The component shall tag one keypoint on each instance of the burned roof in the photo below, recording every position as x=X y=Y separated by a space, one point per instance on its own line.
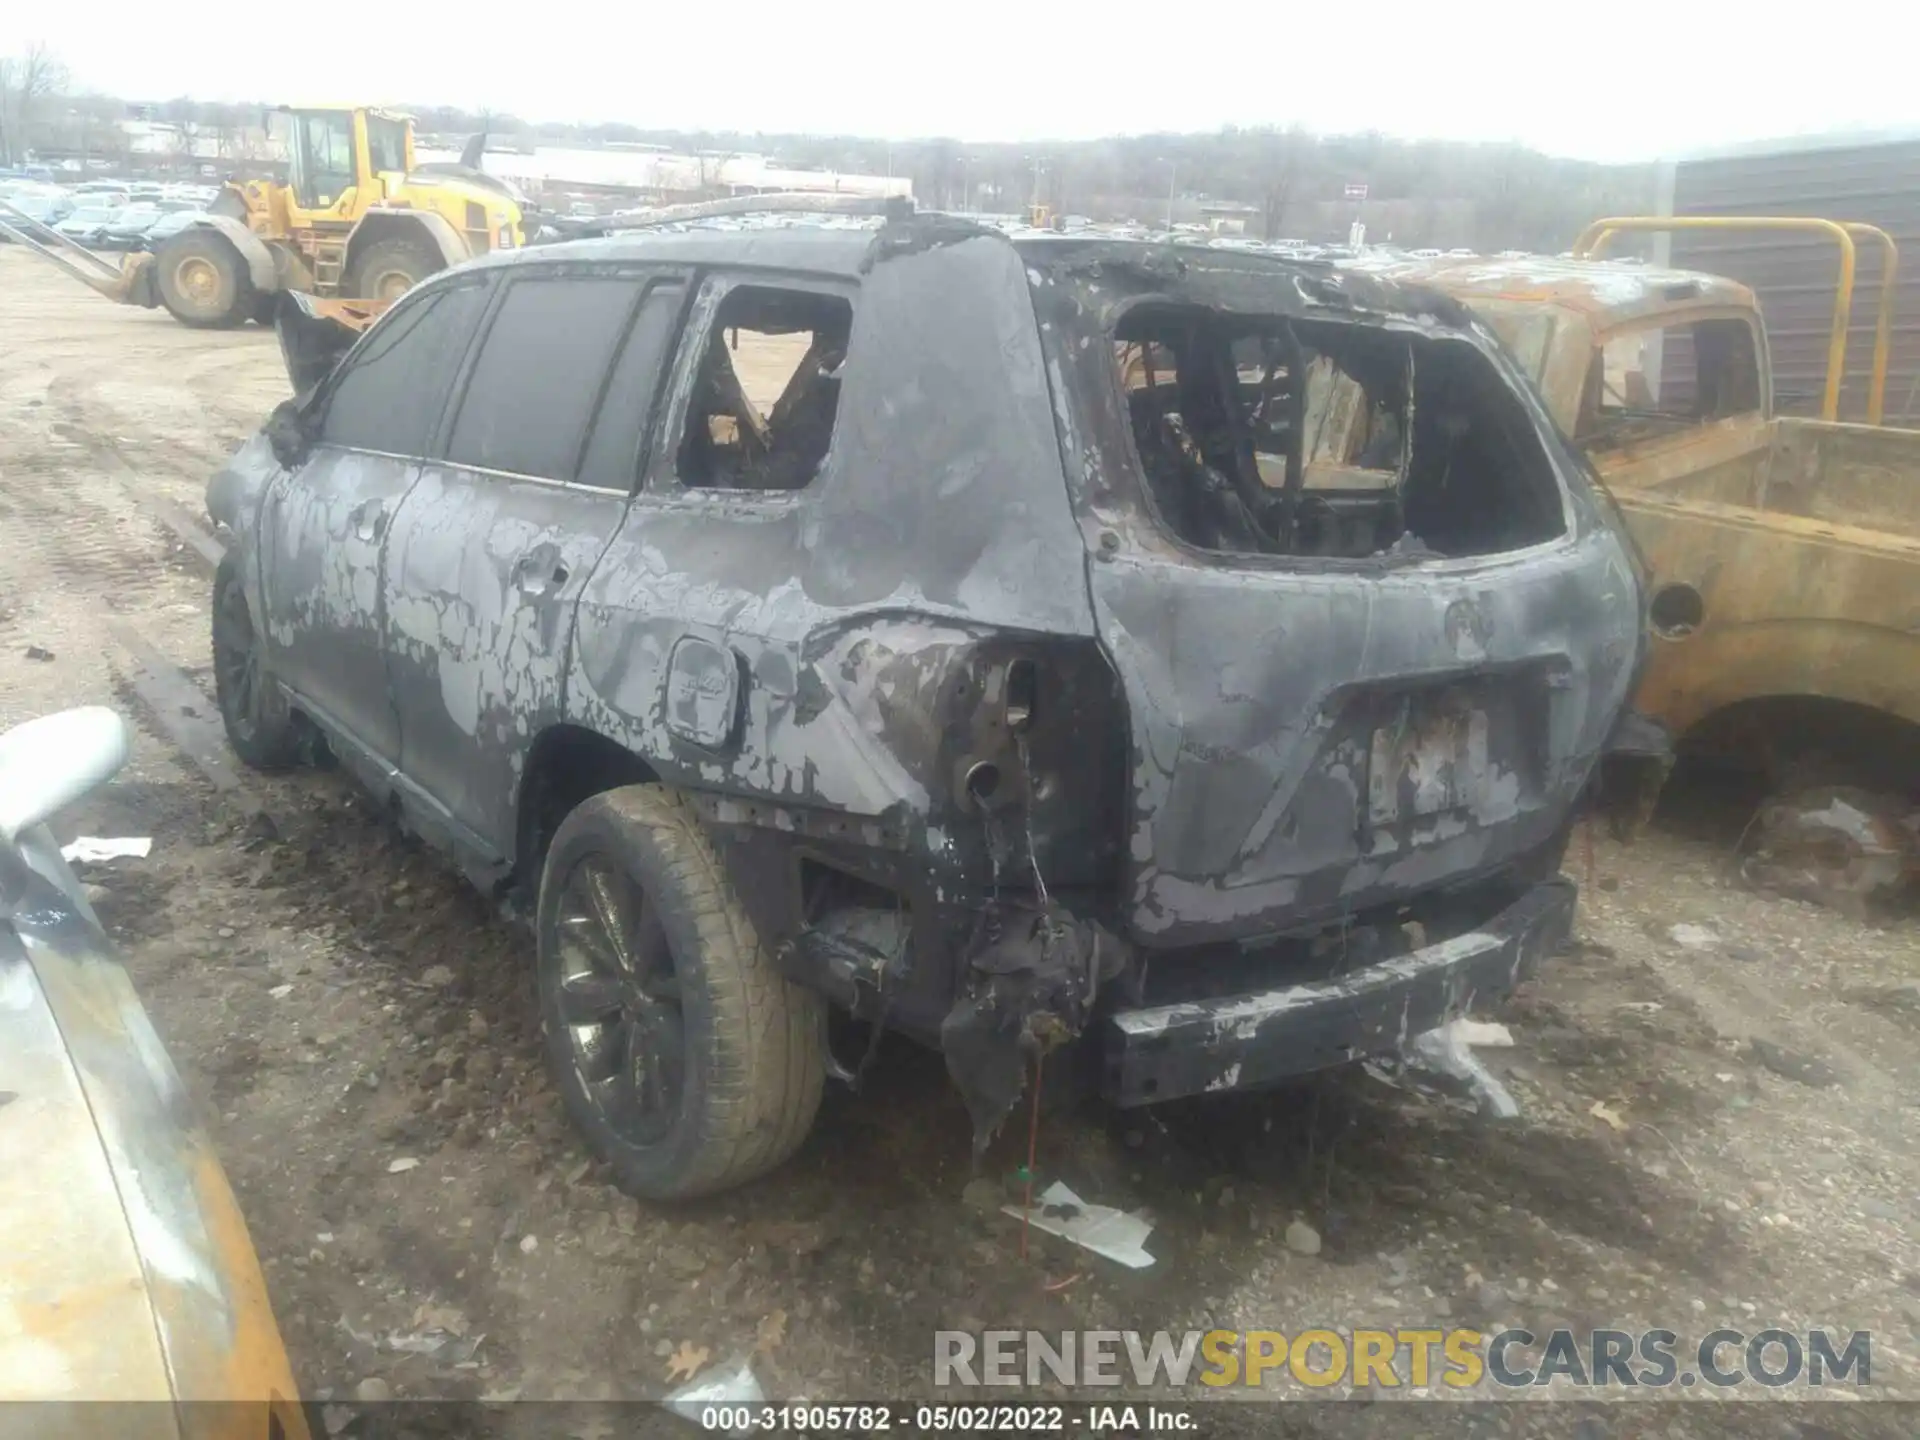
x=832 y=249
x=835 y=245
x=1603 y=292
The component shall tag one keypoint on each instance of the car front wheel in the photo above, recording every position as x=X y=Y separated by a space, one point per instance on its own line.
x=691 y=1064
x=262 y=731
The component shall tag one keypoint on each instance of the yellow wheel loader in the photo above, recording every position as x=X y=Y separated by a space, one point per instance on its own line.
x=355 y=220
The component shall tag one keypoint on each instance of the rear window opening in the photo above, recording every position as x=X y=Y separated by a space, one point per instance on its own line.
x=1657 y=380
x=1273 y=436
x=764 y=403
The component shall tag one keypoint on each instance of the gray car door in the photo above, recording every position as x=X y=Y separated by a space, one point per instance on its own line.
x=489 y=552
x=324 y=524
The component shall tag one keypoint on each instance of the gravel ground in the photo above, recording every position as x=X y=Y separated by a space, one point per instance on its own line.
x=1712 y=1132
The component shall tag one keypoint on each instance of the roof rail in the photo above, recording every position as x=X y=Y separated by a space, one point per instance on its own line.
x=890 y=207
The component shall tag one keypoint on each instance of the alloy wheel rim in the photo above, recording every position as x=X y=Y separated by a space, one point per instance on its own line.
x=620 y=1001
x=235 y=659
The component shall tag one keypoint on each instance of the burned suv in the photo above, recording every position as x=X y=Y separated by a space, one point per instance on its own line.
x=1181 y=664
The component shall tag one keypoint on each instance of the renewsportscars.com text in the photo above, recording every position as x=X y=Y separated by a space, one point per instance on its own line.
x=1458 y=1358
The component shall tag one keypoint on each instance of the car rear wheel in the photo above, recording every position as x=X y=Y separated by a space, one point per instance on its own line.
x=262 y=731
x=203 y=281
x=691 y=1064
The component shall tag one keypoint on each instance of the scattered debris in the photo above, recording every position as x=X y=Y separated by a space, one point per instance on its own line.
x=1302 y=1238
x=441 y=1345
x=402 y=1165
x=1834 y=845
x=733 y=1384
x=1693 y=937
x=93 y=850
x=35 y=652
x=1484 y=1034
x=1443 y=1052
x=1116 y=1234
x=1600 y=1110
x=1791 y=1065
x=685 y=1362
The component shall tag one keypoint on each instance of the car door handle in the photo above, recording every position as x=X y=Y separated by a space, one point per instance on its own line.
x=369 y=519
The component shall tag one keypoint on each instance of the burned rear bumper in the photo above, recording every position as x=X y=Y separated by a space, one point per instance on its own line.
x=1164 y=1052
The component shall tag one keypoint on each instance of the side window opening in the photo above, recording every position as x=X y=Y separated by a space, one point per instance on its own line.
x=386 y=143
x=326 y=145
x=768 y=389
x=1656 y=380
x=1264 y=435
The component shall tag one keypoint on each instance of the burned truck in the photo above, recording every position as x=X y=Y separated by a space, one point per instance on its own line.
x=974 y=635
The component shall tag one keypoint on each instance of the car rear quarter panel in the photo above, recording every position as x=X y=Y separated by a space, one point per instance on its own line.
x=939 y=519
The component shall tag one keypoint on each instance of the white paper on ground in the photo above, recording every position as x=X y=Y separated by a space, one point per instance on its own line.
x=1488 y=1034
x=92 y=849
x=1116 y=1234
x=733 y=1383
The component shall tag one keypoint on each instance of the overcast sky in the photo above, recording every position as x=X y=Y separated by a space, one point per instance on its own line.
x=1618 y=81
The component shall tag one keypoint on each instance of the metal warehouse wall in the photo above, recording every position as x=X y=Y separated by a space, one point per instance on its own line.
x=1873 y=179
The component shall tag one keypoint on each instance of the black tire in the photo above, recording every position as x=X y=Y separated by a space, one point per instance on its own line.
x=262 y=731
x=388 y=268
x=733 y=1091
x=203 y=281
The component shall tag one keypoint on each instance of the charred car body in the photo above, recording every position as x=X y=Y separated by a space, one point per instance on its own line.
x=978 y=635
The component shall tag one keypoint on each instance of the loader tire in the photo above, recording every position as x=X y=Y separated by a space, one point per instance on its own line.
x=688 y=1060
x=388 y=268
x=203 y=281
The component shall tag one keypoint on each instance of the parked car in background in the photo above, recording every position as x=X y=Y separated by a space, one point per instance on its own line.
x=130 y=226
x=89 y=221
x=126 y=1271
x=170 y=224
x=957 y=630
x=1783 y=552
x=49 y=207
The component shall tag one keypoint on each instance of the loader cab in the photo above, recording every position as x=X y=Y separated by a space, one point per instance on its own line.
x=342 y=161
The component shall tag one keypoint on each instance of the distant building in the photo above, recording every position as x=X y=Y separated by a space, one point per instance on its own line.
x=148 y=140
x=1229 y=217
x=645 y=171
x=1871 y=177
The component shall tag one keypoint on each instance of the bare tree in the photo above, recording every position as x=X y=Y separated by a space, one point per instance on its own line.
x=25 y=80
x=1281 y=156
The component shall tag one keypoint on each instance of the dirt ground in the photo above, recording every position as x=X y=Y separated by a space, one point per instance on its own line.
x=340 y=1003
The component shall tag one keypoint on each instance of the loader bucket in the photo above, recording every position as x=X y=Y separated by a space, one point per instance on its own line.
x=314 y=334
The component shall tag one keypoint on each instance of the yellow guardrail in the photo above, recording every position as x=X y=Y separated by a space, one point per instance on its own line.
x=1594 y=238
